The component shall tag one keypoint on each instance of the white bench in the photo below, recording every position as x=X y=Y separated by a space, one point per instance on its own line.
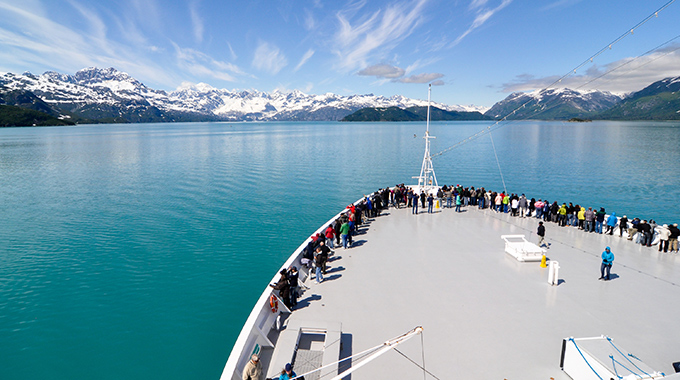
x=521 y=249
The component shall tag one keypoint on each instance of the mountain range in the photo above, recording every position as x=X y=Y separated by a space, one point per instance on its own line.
x=108 y=95
x=95 y=95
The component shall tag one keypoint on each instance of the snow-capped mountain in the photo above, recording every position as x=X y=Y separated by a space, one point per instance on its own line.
x=108 y=93
x=558 y=104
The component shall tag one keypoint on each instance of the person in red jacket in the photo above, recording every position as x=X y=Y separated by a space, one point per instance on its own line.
x=330 y=236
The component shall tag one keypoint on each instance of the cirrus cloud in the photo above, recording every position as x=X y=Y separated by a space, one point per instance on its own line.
x=269 y=58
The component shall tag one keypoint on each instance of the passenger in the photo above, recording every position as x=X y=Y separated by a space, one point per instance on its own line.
x=599 y=220
x=581 y=215
x=523 y=206
x=611 y=223
x=541 y=235
x=330 y=236
x=645 y=231
x=607 y=260
x=546 y=211
x=320 y=260
x=506 y=203
x=590 y=219
x=539 y=208
x=336 y=226
x=623 y=225
x=430 y=203
x=414 y=201
x=293 y=276
x=562 y=215
x=633 y=228
x=554 y=212
x=498 y=201
x=673 y=237
x=652 y=231
x=344 y=232
x=664 y=235
x=283 y=286
x=423 y=197
x=287 y=373
x=459 y=201
x=514 y=206
x=253 y=369
x=571 y=217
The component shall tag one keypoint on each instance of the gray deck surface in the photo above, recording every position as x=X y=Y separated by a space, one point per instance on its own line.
x=486 y=315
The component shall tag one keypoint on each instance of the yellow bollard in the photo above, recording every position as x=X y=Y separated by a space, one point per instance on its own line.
x=543 y=262
x=437 y=204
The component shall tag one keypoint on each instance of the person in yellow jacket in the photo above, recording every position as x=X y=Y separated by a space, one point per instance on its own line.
x=581 y=217
x=506 y=203
x=562 y=215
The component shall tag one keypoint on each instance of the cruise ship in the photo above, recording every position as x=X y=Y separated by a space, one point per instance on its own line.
x=470 y=295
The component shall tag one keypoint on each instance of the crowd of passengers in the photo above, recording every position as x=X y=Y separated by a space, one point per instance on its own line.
x=586 y=219
x=339 y=233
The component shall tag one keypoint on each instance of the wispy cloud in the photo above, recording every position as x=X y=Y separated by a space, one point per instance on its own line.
x=382 y=70
x=560 y=4
x=621 y=76
x=389 y=73
x=196 y=22
x=420 y=78
x=373 y=34
x=232 y=54
x=202 y=65
x=309 y=21
x=269 y=58
x=483 y=15
x=304 y=59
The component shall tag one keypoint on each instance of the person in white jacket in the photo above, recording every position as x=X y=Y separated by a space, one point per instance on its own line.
x=664 y=234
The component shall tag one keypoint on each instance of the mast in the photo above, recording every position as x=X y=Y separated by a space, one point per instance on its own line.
x=427 y=179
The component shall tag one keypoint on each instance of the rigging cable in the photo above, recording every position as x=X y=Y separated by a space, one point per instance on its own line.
x=422 y=350
x=571 y=72
x=636 y=58
x=416 y=364
x=498 y=163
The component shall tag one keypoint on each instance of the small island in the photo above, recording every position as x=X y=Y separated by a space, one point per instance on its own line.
x=411 y=114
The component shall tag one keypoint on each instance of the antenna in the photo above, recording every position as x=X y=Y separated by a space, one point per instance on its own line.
x=427 y=179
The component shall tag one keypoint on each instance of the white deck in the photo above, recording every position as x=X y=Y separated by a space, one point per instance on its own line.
x=486 y=315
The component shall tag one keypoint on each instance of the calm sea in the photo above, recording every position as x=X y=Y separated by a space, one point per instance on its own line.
x=137 y=251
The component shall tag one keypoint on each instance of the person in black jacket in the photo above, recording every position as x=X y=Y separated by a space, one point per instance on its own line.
x=541 y=235
x=283 y=286
x=623 y=225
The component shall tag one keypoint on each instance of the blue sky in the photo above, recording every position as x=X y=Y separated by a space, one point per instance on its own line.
x=476 y=51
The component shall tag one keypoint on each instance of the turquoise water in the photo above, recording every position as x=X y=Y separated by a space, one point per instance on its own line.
x=137 y=251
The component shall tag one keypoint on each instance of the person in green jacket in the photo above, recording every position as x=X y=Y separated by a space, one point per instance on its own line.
x=344 y=231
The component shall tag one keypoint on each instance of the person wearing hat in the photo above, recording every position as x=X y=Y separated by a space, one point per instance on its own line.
x=287 y=373
x=664 y=235
x=283 y=286
x=607 y=260
x=253 y=369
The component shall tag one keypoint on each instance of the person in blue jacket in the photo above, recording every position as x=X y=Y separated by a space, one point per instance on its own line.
x=287 y=373
x=611 y=223
x=607 y=260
